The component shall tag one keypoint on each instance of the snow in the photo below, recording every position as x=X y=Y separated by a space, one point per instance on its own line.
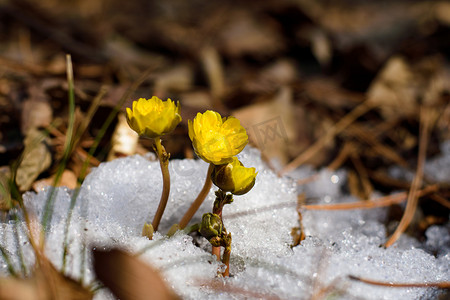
x=119 y=196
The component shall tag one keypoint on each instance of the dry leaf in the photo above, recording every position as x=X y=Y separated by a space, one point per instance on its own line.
x=124 y=140
x=68 y=179
x=36 y=111
x=270 y=125
x=36 y=159
x=442 y=11
x=394 y=89
x=46 y=283
x=129 y=278
x=400 y=86
x=5 y=195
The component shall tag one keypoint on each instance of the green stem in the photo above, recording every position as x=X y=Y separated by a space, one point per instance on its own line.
x=199 y=200
x=164 y=163
x=192 y=228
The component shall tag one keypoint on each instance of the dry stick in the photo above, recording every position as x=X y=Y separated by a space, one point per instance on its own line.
x=371 y=140
x=347 y=149
x=164 y=163
x=362 y=172
x=301 y=236
x=199 y=200
x=441 y=285
x=441 y=200
x=380 y=202
x=319 y=144
x=413 y=196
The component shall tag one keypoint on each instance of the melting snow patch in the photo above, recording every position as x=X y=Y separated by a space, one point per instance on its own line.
x=119 y=196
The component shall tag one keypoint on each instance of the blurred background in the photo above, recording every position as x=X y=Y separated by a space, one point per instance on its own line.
x=290 y=70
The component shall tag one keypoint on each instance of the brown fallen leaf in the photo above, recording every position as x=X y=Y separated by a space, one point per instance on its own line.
x=68 y=179
x=400 y=84
x=5 y=194
x=36 y=159
x=128 y=277
x=442 y=12
x=394 y=89
x=46 y=283
x=270 y=125
x=36 y=111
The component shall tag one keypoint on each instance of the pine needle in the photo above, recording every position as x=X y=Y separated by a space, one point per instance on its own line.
x=336 y=129
x=426 y=118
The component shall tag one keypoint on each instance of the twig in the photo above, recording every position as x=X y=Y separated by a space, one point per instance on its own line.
x=337 y=128
x=346 y=151
x=380 y=202
x=441 y=200
x=371 y=140
x=298 y=239
x=441 y=285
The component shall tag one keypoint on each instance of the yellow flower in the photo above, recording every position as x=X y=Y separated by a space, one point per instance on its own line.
x=153 y=117
x=234 y=177
x=215 y=139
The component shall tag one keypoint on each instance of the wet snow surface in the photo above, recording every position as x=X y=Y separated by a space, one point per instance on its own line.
x=119 y=196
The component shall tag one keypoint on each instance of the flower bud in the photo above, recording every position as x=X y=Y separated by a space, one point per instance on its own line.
x=211 y=226
x=147 y=231
x=234 y=177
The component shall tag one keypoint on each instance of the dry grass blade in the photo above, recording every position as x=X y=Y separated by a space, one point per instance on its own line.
x=441 y=285
x=129 y=278
x=426 y=118
x=338 y=127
